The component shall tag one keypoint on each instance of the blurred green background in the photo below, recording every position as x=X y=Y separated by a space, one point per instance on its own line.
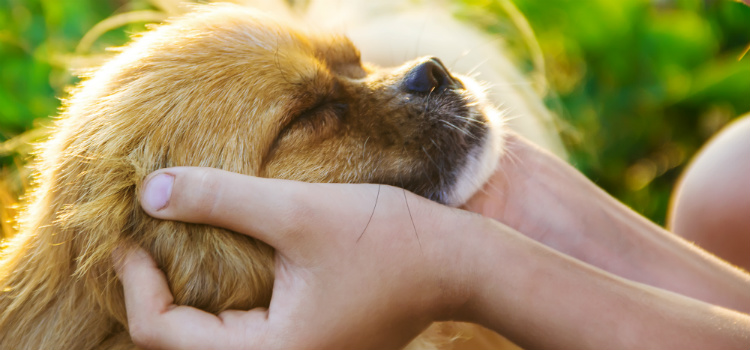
x=640 y=85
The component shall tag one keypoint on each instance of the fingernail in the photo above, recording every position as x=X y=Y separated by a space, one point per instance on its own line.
x=157 y=192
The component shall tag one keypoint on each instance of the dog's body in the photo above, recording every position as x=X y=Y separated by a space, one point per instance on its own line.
x=230 y=88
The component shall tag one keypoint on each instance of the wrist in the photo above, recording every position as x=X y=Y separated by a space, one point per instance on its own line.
x=454 y=262
x=470 y=270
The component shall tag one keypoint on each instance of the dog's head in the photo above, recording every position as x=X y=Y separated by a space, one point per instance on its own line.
x=230 y=88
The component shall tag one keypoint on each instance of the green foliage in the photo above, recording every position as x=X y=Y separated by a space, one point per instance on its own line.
x=640 y=84
x=35 y=37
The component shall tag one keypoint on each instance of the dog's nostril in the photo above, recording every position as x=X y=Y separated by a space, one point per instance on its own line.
x=430 y=75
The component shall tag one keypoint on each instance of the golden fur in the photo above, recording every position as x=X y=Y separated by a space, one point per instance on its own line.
x=230 y=88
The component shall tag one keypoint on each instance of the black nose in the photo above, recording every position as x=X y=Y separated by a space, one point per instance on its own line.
x=430 y=75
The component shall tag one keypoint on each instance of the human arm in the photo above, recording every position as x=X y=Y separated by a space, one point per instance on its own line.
x=552 y=301
x=551 y=202
x=334 y=289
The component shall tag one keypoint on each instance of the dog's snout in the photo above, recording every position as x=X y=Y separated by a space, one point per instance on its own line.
x=430 y=75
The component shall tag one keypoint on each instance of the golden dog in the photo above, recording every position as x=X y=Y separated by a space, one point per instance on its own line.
x=230 y=88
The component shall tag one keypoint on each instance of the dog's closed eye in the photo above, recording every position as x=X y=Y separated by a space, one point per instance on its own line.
x=321 y=118
x=321 y=115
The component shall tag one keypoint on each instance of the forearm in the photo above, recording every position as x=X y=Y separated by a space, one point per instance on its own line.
x=621 y=241
x=556 y=205
x=542 y=299
x=644 y=252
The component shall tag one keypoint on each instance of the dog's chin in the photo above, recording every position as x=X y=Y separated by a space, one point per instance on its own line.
x=482 y=161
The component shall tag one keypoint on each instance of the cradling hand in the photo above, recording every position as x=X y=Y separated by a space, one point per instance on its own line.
x=357 y=266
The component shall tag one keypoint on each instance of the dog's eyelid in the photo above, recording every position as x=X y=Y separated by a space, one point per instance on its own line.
x=310 y=115
x=325 y=101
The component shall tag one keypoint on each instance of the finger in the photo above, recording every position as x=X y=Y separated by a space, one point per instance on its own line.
x=144 y=284
x=155 y=322
x=262 y=208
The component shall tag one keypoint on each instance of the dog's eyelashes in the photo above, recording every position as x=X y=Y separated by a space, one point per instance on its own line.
x=309 y=113
x=320 y=116
x=322 y=110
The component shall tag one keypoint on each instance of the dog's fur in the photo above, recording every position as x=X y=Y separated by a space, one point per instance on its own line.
x=230 y=88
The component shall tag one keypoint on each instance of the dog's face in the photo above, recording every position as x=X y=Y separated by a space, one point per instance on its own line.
x=233 y=89
x=416 y=126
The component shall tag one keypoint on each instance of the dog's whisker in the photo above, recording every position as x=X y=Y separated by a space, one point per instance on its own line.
x=364 y=149
x=514 y=158
x=459 y=57
x=437 y=167
x=510 y=118
x=475 y=69
x=452 y=126
x=470 y=119
x=429 y=157
x=437 y=147
x=461 y=130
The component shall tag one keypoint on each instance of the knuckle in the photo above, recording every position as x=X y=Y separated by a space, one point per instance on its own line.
x=297 y=212
x=204 y=189
x=297 y=206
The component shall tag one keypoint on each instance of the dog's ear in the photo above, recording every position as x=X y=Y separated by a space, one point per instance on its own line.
x=210 y=268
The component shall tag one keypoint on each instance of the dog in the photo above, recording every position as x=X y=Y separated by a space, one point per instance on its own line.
x=228 y=87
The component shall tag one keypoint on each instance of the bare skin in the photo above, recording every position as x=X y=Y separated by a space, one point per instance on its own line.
x=711 y=205
x=335 y=290
x=554 y=204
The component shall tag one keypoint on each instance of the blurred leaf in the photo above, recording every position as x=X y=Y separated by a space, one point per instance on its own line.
x=642 y=81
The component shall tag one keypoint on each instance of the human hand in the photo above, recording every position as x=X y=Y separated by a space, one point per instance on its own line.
x=551 y=202
x=541 y=196
x=360 y=269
